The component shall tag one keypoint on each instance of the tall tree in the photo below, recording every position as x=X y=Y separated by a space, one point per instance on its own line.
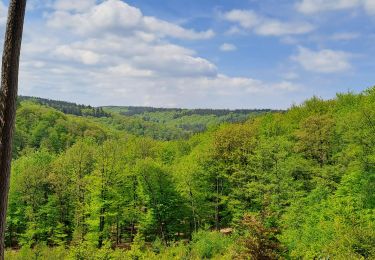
x=8 y=96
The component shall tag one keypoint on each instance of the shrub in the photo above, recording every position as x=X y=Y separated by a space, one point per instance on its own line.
x=208 y=244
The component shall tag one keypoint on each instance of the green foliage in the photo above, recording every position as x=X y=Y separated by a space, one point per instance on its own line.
x=183 y=122
x=207 y=245
x=294 y=185
x=257 y=240
x=68 y=107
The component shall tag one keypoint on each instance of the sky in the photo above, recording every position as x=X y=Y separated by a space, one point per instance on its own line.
x=196 y=53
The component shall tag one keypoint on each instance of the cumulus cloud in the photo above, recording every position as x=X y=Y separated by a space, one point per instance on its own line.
x=164 y=28
x=109 y=52
x=316 y=6
x=323 y=61
x=245 y=18
x=105 y=17
x=86 y=57
x=249 y=20
x=115 y=16
x=228 y=47
x=74 y=5
x=125 y=70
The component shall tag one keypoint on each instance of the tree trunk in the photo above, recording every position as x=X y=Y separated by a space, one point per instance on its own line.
x=102 y=208
x=217 y=205
x=101 y=227
x=8 y=97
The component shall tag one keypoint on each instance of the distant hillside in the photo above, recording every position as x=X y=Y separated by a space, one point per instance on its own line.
x=190 y=120
x=132 y=110
x=158 y=123
x=68 y=107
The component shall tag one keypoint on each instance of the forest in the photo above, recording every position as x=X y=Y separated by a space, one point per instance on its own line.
x=67 y=107
x=161 y=184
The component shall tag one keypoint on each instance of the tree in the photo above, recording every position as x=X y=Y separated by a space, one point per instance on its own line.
x=8 y=97
x=30 y=187
x=258 y=241
x=316 y=137
x=162 y=200
x=105 y=185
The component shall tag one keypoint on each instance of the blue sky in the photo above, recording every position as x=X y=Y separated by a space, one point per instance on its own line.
x=189 y=53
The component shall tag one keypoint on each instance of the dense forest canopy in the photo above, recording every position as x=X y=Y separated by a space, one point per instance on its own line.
x=296 y=184
x=67 y=107
x=158 y=123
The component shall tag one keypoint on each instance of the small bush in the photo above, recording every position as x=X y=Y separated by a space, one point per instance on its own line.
x=208 y=244
x=40 y=251
x=259 y=241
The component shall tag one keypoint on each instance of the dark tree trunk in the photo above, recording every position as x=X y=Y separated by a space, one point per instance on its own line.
x=8 y=97
x=102 y=208
x=101 y=227
x=217 y=205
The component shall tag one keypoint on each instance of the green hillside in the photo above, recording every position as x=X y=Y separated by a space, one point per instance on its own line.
x=157 y=123
x=188 y=120
x=296 y=184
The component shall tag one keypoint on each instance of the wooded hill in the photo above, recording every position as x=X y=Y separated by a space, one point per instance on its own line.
x=67 y=107
x=298 y=184
x=158 y=123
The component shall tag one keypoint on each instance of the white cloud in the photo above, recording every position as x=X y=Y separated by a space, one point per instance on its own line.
x=3 y=14
x=125 y=70
x=86 y=57
x=158 y=57
x=292 y=40
x=286 y=85
x=116 y=16
x=107 y=16
x=234 y=30
x=74 y=5
x=228 y=47
x=323 y=61
x=119 y=56
x=277 y=28
x=164 y=28
x=249 y=20
x=291 y=75
x=370 y=6
x=316 y=6
x=245 y=18
x=345 y=36
x=176 y=65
